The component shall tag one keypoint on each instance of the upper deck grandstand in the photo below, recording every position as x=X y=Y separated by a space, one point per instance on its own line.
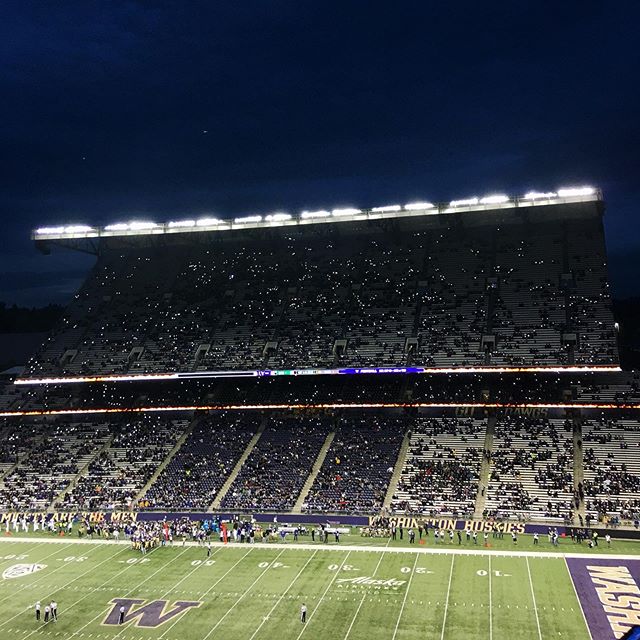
x=495 y=283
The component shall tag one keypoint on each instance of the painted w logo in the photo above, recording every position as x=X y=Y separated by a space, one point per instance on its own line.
x=153 y=614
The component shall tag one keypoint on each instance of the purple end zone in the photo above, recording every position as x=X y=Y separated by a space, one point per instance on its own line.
x=609 y=594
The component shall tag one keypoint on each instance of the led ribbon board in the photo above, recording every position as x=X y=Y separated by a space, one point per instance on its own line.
x=349 y=371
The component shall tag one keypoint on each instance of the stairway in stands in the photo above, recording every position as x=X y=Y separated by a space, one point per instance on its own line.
x=485 y=468
x=317 y=465
x=578 y=465
x=181 y=440
x=60 y=497
x=397 y=472
x=215 y=505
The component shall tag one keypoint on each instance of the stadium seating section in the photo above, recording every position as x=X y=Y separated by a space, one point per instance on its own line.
x=444 y=296
x=495 y=289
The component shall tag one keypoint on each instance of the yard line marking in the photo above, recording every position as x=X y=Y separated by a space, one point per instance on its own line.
x=29 y=550
x=283 y=595
x=406 y=593
x=364 y=595
x=175 y=622
x=446 y=604
x=172 y=590
x=584 y=617
x=40 y=577
x=490 y=604
x=102 y=613
x=333 y=579
x=533 y=596
x=233 y=606
x=205 y=593
x=51 y=593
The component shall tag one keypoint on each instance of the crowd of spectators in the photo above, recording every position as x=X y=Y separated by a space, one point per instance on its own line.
x=198 y=470
x=274 y=474
x=531 y=468
x=116 y=476
x=612 y=466
x=441 y=471
x=316 y=298
x=43 y=458
x=359 y=463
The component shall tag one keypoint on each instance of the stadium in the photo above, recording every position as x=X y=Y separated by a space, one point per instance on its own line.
x=403 y=421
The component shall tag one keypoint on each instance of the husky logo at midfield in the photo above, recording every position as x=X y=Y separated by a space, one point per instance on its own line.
x=21 y=570
x=153 y=614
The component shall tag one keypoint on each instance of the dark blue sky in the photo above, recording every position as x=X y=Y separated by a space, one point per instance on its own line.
x=306 y=104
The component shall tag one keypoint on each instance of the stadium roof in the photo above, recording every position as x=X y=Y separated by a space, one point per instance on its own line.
x=147 y=227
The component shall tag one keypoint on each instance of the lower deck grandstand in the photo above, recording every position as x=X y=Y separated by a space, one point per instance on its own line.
x=562 y=466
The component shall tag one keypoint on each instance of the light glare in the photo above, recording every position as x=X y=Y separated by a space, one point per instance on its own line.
x=345 y=212
x=138 y=225
x=463 y=203
x=44 y=231
x=538 y=195
x=247 y=219
x=78 y=228
x=389 y=207
x=576 y=191
x=494 y=199
x=315 y=214
x=181 y=224
x=208 y=222
x=418 y=206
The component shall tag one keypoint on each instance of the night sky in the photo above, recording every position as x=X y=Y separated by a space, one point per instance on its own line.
x=111 y=110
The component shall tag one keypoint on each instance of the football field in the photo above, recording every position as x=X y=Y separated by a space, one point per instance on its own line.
x=351 y=591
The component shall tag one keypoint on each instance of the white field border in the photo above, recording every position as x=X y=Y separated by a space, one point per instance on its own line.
x=533 y=598
x=369 y=548
x=573 y=585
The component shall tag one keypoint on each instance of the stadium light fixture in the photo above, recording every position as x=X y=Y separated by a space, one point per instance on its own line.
x=466 y=202
x=386 y=208
x=46 y=231
x=538 y=195
x=247 y=219
x=346 y=212
x=322 y=215
x=305 y=215
x=576 y=191
x=78 y=228
x=139 y=225
x=181 y=224
x=207 y=222
x=497 y=198
x=418 y=206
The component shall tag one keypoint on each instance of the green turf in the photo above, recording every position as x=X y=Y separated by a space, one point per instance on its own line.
x=253 y=591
